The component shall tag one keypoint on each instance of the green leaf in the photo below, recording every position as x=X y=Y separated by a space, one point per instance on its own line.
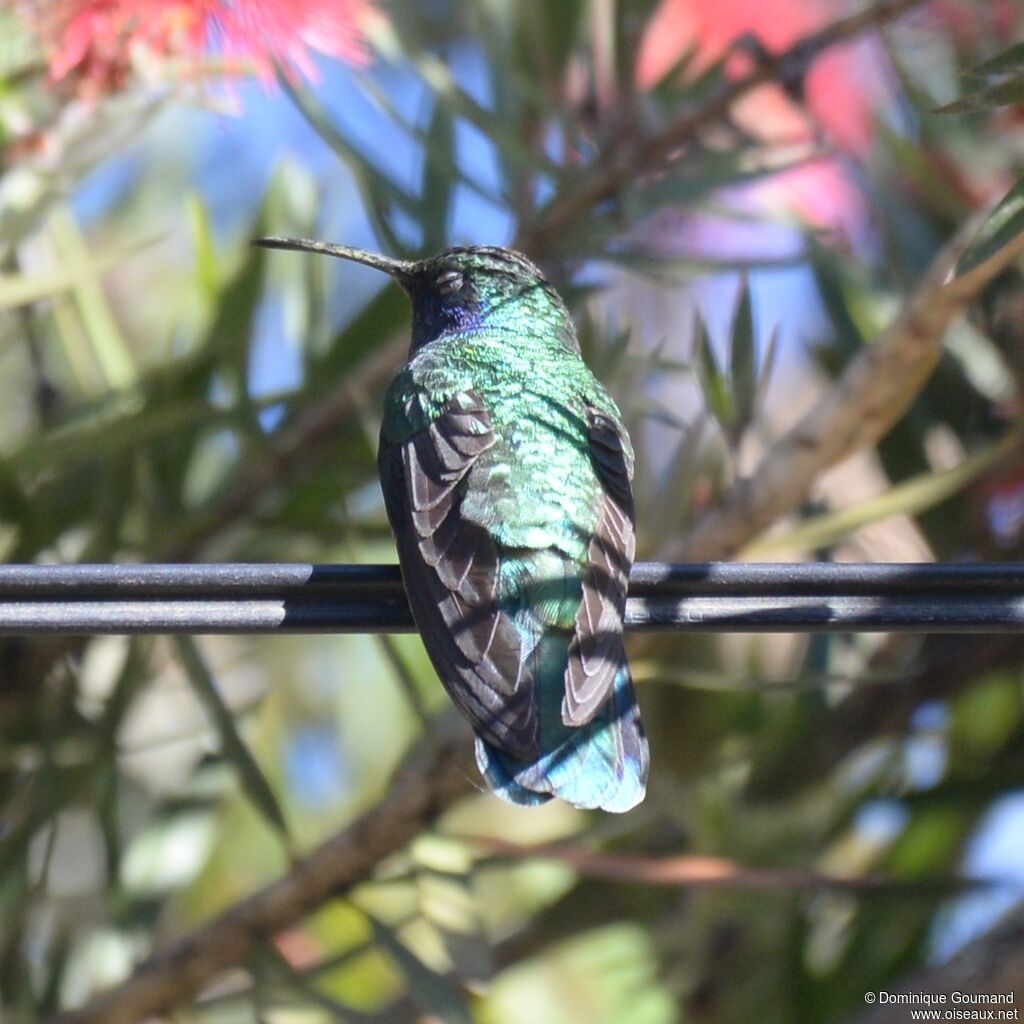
x=233 y=747
x=1008 y=61
x=130 y=681
x=229 y=335
x=1002 y=94
x=96 y=495
x=436 y=192
x=988 y=715
x=743 y=357
x=269 y=960
x=1001 y=228
x=207 y=264
x=503 y=133
x=998 y=82
x=378 y=321
x=731 y=393
x=438 y=995
x=444 y=879
x=439 y=151
x=406 y=681
x=764 y=373
x=102 y=436
x=712 y=380
x=668 y=87
x=908 y=498
x=549 y=34
x=368 y=175
x=846 y=305
x=378 y=190
x=112 y=352
x=24 y=289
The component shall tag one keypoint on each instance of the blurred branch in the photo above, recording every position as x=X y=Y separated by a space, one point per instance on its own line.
x=424 y=789
x=870 y=396
x=702 y=872
x=621 y=165
x=990 y=965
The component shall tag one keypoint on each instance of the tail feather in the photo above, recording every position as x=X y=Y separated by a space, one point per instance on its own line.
x=602 y=764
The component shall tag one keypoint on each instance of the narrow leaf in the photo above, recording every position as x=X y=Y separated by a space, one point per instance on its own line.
x=109 y=346
x=1008 y=61
x=997 y=82
x=445 y=882
x=909 y=498
x=233 y=747
x=1002 y=227
x=271 y=961
x=379 y=191
x=669 y=85
x=552 y=31
x=443 y=156
x=433 y=992
x=436 y=73
x=207 y=266
x=764 y=373
x=436 y=191
x=742 y=357
x=24 y=289
x=1001 y=94
x=713 y=381
x=406 y=681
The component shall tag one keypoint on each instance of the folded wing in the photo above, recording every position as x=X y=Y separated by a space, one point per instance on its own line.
x=596 y=652
x=451 y=566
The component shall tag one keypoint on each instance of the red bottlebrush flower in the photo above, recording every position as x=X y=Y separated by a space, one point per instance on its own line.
x=268 y=31
x=94 y=43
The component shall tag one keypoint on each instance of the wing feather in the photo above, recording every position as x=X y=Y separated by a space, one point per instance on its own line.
x=451 y=566
x=596 y=652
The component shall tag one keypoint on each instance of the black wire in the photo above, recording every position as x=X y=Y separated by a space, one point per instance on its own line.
x=302 y=598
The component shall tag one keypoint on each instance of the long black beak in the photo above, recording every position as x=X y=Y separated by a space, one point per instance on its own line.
x=401 y=270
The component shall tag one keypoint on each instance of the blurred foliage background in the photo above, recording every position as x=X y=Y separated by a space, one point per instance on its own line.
x=168 y=393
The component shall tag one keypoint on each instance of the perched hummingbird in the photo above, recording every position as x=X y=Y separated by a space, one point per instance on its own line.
x=506 y=473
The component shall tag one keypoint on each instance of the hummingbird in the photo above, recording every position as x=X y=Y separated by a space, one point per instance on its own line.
x=506 y=471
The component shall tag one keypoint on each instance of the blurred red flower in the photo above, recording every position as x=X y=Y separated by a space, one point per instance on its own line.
x=843 y=91
x=95 y=43
x=846 y=92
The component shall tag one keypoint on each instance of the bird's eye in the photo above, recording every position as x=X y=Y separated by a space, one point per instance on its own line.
x=449 y=283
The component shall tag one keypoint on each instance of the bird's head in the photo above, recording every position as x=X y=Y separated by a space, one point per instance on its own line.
x=462 y=289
